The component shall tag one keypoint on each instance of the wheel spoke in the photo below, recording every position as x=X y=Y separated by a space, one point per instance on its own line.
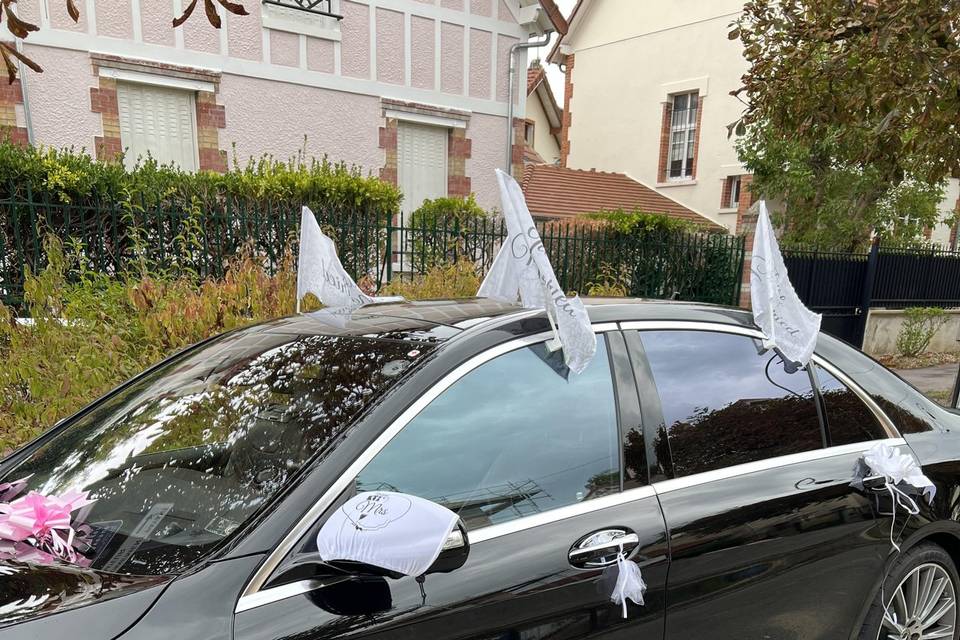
x=923 y=606
x=912 y=587
x=933 y=598
x=942 y=632
x=937 y=615
x=890 y=622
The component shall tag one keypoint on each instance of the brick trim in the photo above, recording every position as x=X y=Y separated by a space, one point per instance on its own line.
x=459 y=149
x=211 y=117
x=664 y=156
x=388 y=142
x=746 y=224
x=696 y=139
x=516 y=151
x=567 y=118
x=11 y=95
x=149 y=66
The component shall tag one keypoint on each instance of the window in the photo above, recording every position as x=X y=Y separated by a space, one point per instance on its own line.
x=683 y=135
x=514 y=437
x=529 y=128
x=731 y=193
x=158 y=121
x=848 y=419
x=728 y=401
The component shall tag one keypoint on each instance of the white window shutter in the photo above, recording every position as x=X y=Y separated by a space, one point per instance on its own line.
x=158 y=120
x=421 y=163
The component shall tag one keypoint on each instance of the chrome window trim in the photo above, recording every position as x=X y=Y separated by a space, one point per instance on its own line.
x=277 y=593
x=696 y=479
x=303 y=525
x=719 y=327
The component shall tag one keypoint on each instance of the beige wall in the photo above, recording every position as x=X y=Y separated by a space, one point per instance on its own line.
x=543 y=142
x=630 y=56
x=883 y=327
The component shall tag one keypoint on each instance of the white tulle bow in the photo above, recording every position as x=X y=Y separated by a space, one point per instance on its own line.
x=630 y=584
x=897 y=467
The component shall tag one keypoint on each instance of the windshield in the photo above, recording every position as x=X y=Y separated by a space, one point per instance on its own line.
x=179 y=460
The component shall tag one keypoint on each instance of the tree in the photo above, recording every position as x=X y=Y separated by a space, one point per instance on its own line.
x=852 y=109
x=21 y=29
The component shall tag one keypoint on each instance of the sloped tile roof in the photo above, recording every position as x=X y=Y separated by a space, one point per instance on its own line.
x=553 y=191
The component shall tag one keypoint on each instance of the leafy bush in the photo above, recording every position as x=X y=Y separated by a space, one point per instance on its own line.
x=439 y=231
x=637 y=221
x=610 y=283
x=446 y=210
x=453 y=280
x=919 y=327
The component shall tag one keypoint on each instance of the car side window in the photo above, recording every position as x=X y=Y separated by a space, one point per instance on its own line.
x=849 y=420
x=726 y=400
x=518 y=435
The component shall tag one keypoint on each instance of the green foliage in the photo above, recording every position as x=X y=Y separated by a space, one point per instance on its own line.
x=919 y=327
x=852 y=112
x=91 y=331
x=637 y=221
x=446 y=211
x=450 y=280
x=610 y=282
x=67 y=176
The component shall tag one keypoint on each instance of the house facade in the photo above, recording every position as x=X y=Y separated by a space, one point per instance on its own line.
x=544 y=119
x=648 y=93
x=415 y=91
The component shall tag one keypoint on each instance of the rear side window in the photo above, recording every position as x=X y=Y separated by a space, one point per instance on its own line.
x=726 y=400
x=849 y=420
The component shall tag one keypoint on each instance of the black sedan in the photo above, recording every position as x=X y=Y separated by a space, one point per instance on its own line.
x=685 y=442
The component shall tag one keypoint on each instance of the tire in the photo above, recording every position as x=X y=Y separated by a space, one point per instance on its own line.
x=924 y=570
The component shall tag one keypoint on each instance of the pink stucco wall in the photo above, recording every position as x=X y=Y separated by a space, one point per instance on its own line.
x=489 y=134
x=355 y=43
x=114 y=19
x=456 y=5
x=503 y=58
x=29 y=10
x=390 y=52
x=243 y=34
x=340 y=125
x=422 y=52
x=503 y=13
x=60 y=19
x=284 y=48
x=60 y=98
x=481 y=8
x=198 y=34
x=320 y=55
x=451 y=58
x=481 y=43
x=155 y=18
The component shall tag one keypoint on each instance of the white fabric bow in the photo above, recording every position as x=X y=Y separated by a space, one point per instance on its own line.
x=630 y=584
x=897 y=467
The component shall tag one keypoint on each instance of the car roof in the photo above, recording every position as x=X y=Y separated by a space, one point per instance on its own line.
x=439 y=320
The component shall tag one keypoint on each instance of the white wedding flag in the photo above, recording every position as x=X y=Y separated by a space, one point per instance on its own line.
x=787 y=325
x=320 y=272
x=522 y=269
x=393 y=531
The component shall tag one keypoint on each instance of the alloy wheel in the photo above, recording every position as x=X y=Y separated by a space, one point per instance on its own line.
x=924 y=606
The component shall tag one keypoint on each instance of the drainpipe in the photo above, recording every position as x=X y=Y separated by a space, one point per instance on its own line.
x=530 y=44
x=22 y=72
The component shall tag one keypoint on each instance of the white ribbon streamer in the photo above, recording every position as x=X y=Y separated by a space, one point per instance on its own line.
x=320 y=272
x=630 y=584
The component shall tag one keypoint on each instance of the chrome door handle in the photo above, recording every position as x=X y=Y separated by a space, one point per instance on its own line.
x=600 y=549
x=874 y=482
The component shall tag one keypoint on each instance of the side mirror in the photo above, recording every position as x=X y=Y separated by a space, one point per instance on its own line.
x=454 y=552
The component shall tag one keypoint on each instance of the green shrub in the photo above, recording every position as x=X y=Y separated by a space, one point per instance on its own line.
x=454 y=280
x=919 y=327
x=446 y=210
x=610 y=283
x=637 y=221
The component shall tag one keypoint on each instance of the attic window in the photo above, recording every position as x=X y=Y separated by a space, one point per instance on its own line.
x=317 y=7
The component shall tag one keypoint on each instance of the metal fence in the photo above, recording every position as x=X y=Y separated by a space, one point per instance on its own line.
x=843 y=286
x=113 y=237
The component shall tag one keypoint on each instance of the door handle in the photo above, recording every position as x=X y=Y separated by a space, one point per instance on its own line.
x=874 y=482
x=600 y=548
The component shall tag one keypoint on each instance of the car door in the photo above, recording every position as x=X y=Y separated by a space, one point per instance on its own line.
x=529 y=455
x=768 y=539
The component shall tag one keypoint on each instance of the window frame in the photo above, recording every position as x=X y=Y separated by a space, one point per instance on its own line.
x=249 y=597
x=733 y=192
x=649 y=390
x=690 y=132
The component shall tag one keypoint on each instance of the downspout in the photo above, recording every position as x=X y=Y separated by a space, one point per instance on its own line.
x=530 y=44
x=27 y=120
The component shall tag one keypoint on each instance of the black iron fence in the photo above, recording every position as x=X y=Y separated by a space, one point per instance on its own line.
x=843 y=286
x=112 y=237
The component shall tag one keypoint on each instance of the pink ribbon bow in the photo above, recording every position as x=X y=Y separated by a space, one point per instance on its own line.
x=43 y=519
x=10 y=490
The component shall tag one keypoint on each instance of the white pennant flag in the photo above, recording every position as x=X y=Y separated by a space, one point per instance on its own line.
x=320 y=272
x=787 y=325
x=522 y=267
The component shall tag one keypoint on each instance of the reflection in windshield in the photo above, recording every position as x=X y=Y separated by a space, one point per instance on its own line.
x=180 y=460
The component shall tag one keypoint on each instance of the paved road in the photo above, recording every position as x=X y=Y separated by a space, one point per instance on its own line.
x=938 y=378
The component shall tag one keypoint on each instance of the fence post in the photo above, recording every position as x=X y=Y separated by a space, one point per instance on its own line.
x=866 y=292
x=388 y=254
